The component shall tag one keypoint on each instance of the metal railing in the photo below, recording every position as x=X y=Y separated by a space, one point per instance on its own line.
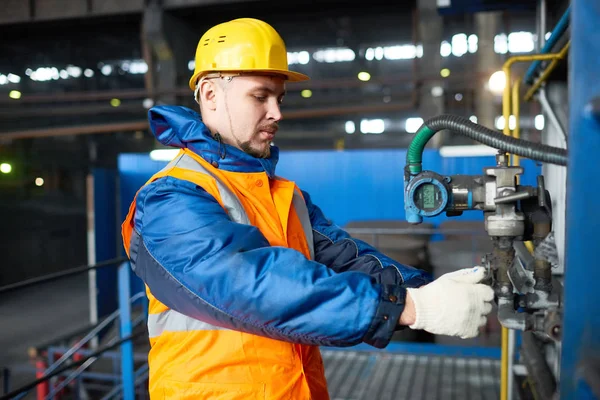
x=72 y=362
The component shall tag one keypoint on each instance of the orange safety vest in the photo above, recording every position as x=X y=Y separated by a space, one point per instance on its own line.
x=191 y=359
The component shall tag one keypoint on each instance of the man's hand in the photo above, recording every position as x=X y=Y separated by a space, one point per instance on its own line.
x=455 y=304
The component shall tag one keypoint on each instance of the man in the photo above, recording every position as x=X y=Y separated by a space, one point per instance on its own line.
x=245 y=275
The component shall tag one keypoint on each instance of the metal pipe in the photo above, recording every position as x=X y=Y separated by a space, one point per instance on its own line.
x=511 y=362
x=543 y=24
x=557 y=33
x=504 y=363
x=506 y=103
x=91 y=250
x=543 y=382
x=75 y=130
x=548 y=110
x=544 y=76
x=516 y=111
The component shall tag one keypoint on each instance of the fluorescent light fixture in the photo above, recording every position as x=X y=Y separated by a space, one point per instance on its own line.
x=459 y=44
x=350 y=127
x=12 y=78
x=445 y=49
x=298 y=57
x=332 y=55
x=163 y=154
x=467 y=151
x=539 y=122
x=521 y=42
x=374 y=126
x=501 y=44
x=473 y=43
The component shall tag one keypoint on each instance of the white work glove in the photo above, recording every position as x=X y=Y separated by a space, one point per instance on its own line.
x=455 y=304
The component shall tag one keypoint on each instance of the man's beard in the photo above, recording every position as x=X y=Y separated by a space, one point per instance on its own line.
x=247 y=148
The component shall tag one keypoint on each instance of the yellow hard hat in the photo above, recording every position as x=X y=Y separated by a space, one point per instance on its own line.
x=242 y=45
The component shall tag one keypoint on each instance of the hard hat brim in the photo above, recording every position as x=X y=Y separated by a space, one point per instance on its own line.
x=290 y=76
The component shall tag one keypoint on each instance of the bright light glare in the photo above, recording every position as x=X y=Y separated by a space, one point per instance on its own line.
x=539 y=122
x=350 y=127
x=459 y=44
x=163 y=154
x=512 y=122
x=413 y=124
x=364 y=76
x=445 y=49
x=5 y=168
x=497 y=82
x=375 y=126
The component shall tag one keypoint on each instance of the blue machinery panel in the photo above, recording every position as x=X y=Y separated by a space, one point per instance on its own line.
x=581 y=341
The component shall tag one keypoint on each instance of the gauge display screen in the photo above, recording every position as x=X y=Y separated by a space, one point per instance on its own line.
x=428 y=197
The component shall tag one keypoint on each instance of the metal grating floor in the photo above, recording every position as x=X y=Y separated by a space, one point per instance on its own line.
x=353 y=375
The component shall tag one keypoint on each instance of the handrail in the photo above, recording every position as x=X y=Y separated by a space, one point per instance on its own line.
x=83 y=367
x=60 y=274
x=46 y=377
x=90 y=335
x=77 y=346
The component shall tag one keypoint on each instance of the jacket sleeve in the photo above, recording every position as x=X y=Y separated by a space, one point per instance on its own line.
x=195 y=260
x=341 y=252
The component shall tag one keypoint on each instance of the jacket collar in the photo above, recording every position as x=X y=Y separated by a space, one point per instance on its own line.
x=182 y=127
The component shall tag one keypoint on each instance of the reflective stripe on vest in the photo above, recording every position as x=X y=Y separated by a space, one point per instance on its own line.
x=173 y=321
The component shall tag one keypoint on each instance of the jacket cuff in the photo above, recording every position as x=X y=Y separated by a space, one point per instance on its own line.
x=385 y=322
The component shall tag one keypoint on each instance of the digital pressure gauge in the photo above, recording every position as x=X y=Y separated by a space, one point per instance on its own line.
x=426 y=195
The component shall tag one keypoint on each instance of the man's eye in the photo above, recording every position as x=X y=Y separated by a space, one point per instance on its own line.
x=261 y=98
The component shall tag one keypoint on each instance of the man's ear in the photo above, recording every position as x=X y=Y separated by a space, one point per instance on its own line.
x=207 y=94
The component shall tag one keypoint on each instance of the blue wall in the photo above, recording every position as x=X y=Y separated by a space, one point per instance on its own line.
x=347 y=185
x=105 y=194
